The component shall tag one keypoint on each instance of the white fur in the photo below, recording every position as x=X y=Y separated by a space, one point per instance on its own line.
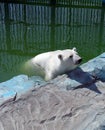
x=55 y=62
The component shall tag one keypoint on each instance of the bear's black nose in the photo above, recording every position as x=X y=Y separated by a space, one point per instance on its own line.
x=79 y=61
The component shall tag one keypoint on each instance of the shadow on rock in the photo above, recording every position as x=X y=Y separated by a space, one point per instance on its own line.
x=85 y=79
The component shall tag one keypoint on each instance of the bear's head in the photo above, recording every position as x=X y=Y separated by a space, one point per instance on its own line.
x=70 y=58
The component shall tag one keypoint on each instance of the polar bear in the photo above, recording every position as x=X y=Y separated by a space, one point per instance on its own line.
x=54 y=63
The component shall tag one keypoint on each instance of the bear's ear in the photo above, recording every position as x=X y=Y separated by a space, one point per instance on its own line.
x=74 y=49
x=60 y=56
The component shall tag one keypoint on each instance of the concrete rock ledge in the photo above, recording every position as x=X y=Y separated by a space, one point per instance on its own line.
x=73 y=101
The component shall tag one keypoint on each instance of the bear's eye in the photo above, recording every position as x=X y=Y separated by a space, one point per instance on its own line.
x=70 y=56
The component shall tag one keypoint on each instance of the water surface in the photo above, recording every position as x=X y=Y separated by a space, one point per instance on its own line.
x=27 y=30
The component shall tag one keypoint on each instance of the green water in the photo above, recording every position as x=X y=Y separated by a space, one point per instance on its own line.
x=27 y=30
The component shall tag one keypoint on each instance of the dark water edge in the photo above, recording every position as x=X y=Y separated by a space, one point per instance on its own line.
x=27 y=30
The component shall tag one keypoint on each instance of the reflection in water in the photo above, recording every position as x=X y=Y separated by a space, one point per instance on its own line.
x=26 y=30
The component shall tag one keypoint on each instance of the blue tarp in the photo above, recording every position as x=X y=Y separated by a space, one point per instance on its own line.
x=18 y=85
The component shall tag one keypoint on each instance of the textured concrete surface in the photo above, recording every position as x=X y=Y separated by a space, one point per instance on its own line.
x=49 y=108
x=73 y=101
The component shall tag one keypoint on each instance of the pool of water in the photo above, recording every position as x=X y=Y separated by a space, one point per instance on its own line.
x=27 y=30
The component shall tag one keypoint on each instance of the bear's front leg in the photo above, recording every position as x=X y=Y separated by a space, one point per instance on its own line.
x=49 y=76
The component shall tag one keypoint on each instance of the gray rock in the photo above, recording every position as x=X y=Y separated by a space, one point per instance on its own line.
x=73 y=101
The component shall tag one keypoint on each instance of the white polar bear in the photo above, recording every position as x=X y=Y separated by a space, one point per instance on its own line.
x=55 y=63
